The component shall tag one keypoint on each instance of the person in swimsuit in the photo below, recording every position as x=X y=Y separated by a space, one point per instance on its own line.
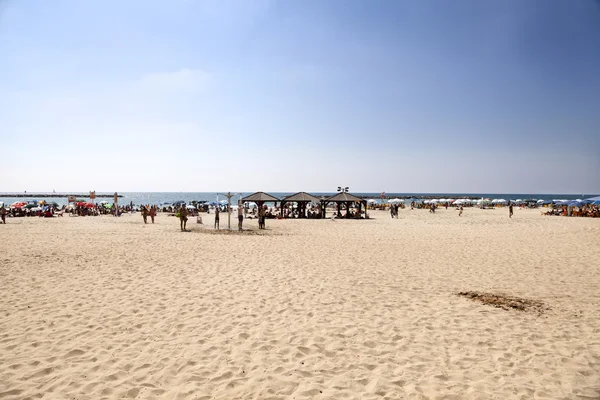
x=145 y=214
x=152 y=213
x=217 y=211
x=183 y=213
x=261 y=218
x=3 y=215
x=240 y=215
x=460 y=211
x=510 y=210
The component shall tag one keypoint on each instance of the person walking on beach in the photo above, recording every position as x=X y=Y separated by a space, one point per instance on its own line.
x=3 y=215
x=510 y=210
x=240 y=215
x=183 y=213
x=396 y=208
x=217 y=211
x=460 y=211
x=152 y=213
x=392 y=211
x=145 y=214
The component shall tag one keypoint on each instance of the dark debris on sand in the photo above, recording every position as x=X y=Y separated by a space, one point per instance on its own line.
x=506 y=302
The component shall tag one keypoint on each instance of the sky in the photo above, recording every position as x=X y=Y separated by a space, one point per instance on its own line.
x=425 y=96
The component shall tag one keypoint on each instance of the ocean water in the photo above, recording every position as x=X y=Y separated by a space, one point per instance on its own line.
x=170 y=197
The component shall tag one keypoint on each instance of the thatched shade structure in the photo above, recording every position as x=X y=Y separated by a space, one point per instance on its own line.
x=347 y=199
x=260 y=197
x=302 y=199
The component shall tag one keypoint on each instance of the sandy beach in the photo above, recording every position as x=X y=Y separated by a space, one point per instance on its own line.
x=110 y=308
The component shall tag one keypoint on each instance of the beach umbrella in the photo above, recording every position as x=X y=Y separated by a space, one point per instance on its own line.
x=394 y=201
x=594 y=200
x=371 y=201
x=540 y=201
x=190 y=207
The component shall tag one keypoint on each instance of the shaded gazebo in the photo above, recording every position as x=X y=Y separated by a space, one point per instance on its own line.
x=301 y=199
x=346 y=199
x=260 y=198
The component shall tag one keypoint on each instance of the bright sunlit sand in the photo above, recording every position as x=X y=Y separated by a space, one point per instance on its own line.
x=110 y=308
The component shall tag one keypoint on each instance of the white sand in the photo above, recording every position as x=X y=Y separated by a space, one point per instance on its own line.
x=107 y=308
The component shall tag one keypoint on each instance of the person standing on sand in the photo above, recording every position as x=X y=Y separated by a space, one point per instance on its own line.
x=217 y=211
x=3 y=215
x=145 y=214
x=183 y=213
x=152 y=213
x=510 y=210
x=460 y=211
x=240 y=215
x=261 y=218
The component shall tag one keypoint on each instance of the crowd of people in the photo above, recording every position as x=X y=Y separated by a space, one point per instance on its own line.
x=262 y=213
x=586 y=210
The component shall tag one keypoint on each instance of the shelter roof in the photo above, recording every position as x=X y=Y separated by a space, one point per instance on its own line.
x=302 y=197
x=260 y=197
x=343 y=197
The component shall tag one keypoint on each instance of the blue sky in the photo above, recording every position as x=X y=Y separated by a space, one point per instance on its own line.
x=390 y=95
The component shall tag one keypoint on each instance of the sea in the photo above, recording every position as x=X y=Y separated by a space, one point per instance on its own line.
x=158 y=198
